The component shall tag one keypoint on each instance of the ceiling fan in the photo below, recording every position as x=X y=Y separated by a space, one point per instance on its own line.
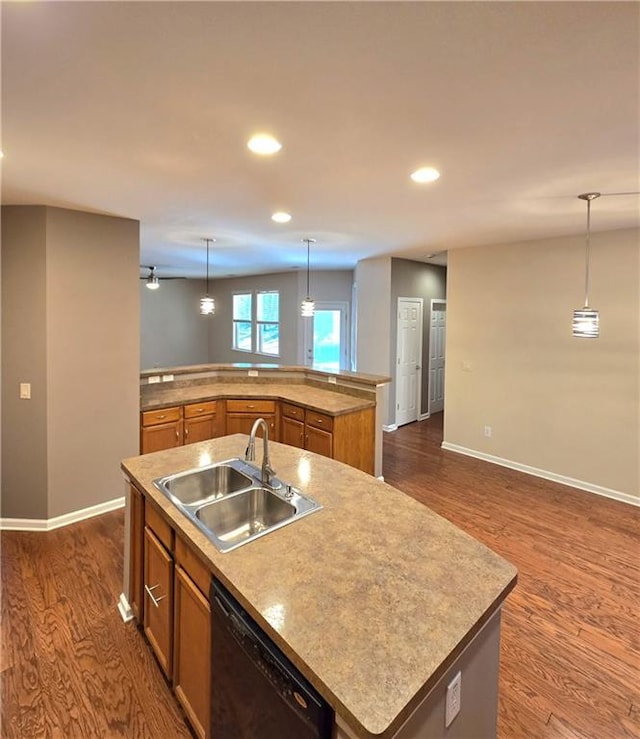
x=152 y=280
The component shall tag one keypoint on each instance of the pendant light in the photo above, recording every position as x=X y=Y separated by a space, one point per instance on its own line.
x=207 y=304
x=308 y=306
x=153 y=283
x=586 y=321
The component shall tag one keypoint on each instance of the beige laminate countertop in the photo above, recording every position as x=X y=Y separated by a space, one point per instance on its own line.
x=323 y=401
x=372 y=597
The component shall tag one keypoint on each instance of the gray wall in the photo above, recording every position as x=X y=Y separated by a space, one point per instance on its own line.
x=24 y=422
x=173 y=333
x=411 y=279
x=70 y=316
x=172 y=330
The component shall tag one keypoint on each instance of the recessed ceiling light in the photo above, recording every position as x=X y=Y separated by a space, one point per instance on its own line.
x=425 y=174
x=281 y=217
x=264 y=143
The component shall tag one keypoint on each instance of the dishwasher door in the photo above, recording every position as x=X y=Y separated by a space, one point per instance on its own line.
x=256 y=693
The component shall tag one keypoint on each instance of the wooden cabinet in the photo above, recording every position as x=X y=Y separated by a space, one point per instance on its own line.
x=158 y=605
x=161 y=429
x=174 y=612
x=136 y=552
x=241 y=415
x=349 y=438
x=200 y=421
x=192 y=638
x=307 y=429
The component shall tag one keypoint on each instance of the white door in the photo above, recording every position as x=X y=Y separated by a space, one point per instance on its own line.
x=326 y=337
x=409 y=352
x=437 y=342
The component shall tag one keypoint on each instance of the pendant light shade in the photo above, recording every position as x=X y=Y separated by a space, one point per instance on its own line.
x=308 y=306
x=207 y=304
x=586 y=320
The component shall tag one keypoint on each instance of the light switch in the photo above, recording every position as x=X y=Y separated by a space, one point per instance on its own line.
x=25 y=390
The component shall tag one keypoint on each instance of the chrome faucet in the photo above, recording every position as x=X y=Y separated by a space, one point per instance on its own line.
x=267 y=470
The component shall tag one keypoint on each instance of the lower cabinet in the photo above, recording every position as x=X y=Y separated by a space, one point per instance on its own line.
x=161 y=429
x=158 y=606
x=200 y=421
x=176 y=616
x=192 y=651
x=241 y=415
x=307 y=429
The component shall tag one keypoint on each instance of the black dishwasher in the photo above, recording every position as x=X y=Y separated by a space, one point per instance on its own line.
x=256 y=692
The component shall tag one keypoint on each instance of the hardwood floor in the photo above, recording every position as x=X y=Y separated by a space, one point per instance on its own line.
x=570 y=658
x=70 y=668
x=570 y=666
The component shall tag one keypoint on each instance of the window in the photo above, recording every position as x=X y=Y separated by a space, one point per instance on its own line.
x=264 y=314
x=242 y=325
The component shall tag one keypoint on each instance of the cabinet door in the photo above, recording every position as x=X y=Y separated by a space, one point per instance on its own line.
x=241 y=423
x=199 y=429
x=292 y=432
x=192 y=657
x=136 y=549
x=159 y=437
x=158 y=599
x=319 y=441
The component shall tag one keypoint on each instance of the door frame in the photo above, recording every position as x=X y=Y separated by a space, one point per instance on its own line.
x=431 y=304
x=345 y=331
x=420 y=302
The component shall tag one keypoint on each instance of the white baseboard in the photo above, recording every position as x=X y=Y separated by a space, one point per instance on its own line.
x=48 y=524
x=545 y=474
x=390 y=427
x=125 y=608
x=423 y=416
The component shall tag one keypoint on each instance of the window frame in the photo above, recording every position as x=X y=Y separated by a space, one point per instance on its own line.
x=256 y=326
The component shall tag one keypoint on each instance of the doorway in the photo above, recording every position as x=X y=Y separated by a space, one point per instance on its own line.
x=409 y=360
x=327 y=337
x=437 y=344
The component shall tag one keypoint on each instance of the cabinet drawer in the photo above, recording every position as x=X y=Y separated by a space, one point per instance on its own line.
x=319 y=420
x=159 y=526
x=163 y=415
x=192 y=565
x=293 y=411
x=193 y=410
x=251 y=406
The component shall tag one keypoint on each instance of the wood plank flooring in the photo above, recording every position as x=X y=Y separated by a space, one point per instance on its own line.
x=570 y=662
x=570 y=657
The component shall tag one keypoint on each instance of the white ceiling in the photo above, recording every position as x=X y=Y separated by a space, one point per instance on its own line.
x=143 y=110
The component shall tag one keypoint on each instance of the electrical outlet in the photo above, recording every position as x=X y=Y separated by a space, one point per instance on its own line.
x=152 y=379
x=25 y=391
x=453 y=700
x=488 y=430
x=331 y=380
x=167 y=378
x=252 y=373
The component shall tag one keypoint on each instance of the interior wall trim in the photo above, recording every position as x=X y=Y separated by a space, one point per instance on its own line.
x=48 y=524
x=545 y=474
x=389 y=427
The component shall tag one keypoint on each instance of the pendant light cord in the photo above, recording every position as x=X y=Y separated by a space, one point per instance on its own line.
x=308 y=258
x=587 y=255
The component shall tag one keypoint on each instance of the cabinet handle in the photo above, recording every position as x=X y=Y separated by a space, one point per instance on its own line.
x=154 y=600
x=161 y=416
x=177 y=434
x=250 y=406
x=200 y=410
x=186 y=431
x=318 y=420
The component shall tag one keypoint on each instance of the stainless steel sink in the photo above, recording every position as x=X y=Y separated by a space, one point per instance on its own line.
x=204 y=483
x=242 y=516
x=228 y=502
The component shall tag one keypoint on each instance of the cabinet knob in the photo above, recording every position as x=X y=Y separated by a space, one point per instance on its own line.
x=186 y=431
x=161 y=416
x=178 y=434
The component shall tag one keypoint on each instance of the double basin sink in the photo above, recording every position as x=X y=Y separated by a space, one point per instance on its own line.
x=229 y=503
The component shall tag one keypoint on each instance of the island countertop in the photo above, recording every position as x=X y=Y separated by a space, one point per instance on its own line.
x=373 y=597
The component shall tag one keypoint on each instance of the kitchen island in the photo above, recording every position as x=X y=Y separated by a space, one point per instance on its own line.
x=376 y=599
